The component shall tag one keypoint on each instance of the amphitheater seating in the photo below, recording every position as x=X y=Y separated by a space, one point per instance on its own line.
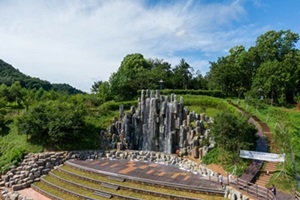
x=75 y=185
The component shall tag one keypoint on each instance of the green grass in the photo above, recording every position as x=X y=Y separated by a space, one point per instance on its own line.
x=70 y=187
x=13 y=147
x=210 y=112
x=211 y=106
x=282 y=180
x=99 y=187
x=54 y=191
x=139 y=185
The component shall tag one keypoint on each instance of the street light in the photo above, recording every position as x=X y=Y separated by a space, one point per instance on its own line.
x=260 y=93
x=161 y=83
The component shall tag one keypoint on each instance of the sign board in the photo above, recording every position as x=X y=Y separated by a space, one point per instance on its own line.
x=255 y=155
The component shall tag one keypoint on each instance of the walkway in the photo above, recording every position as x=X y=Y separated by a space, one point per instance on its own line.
x=262 y=146
x=32 y=194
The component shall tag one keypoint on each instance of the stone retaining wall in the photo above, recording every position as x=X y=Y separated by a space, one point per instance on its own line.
x=35 y=165
x=233 y=194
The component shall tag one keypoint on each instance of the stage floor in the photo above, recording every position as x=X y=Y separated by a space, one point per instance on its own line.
x=148 y=170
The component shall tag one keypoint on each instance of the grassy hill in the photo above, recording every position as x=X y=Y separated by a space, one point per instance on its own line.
x=284 y=124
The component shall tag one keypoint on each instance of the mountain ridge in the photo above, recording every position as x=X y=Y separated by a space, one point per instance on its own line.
x=10 y=75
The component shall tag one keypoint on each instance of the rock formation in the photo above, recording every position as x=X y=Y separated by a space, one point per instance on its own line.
x=160 y=123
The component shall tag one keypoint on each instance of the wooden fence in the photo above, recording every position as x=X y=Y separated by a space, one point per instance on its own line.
x=297 y=195
x=254 y=190
x=248 y=187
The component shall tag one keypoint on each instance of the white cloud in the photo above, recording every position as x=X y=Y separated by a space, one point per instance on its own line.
x=79 y=42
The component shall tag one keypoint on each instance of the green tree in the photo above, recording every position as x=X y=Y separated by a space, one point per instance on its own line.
x=104 y=92
x=182 y=75
x=199 y=82
x=279 y=75
x=130 y=77
x=232 y=72
x=54 y=123
x=222 y=75
x=17 y=93
x=5 y=93
x=95 y=86
x=65 y=88
x=232 y=134
x=160 y=70
x=275 y=45
x=2 y=116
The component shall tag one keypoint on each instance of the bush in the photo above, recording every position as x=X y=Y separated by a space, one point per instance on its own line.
x=211 y=157
x=112 y=105
x=212 y=93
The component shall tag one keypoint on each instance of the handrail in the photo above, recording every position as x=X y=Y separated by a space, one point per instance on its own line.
x=253 y=189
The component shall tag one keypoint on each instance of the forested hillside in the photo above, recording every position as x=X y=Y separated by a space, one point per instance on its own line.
x=10 y=75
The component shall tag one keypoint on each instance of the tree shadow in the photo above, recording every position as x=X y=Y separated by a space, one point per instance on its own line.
x=4 y=130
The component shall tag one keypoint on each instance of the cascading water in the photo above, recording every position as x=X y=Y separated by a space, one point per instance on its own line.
x=160 y=123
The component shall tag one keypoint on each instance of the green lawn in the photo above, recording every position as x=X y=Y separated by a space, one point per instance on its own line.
x=13 y=146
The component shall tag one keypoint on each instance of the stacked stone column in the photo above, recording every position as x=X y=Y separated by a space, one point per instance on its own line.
x=160 y=123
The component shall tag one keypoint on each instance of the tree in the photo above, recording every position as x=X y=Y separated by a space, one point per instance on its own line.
x=2 y=115
x=232 y=72
x=54 y=123
x=104 y=92
x=199 y=82
x=232 y=134
x=274 y=45
x=160 y=70
x=222 y=75
x=65 y=88
x=130 y=77
x=17 y=92
x=279 y=70
x=182 y=75
x=5 y=93
x=95 y=86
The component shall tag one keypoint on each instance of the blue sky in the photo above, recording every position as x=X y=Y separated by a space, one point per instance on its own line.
x=82 y=41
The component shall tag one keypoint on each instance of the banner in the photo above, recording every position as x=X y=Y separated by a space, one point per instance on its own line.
x=255 y=155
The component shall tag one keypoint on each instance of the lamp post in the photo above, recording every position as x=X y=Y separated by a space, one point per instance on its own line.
x=260 y=93
x=161 y=84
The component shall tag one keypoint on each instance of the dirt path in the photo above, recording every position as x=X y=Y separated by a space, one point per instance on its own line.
x=217 y=168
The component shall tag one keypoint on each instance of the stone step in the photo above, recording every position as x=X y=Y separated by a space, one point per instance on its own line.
x=111 y=186
x=272 y=163
x=264 y=178
x=262 y=183
x=103 y=194
x=116 y=178
x=271 y=166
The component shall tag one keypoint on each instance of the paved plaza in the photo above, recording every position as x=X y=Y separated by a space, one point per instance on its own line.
x=149 y=171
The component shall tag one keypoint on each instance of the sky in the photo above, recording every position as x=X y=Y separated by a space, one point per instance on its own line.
x=79 y=42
